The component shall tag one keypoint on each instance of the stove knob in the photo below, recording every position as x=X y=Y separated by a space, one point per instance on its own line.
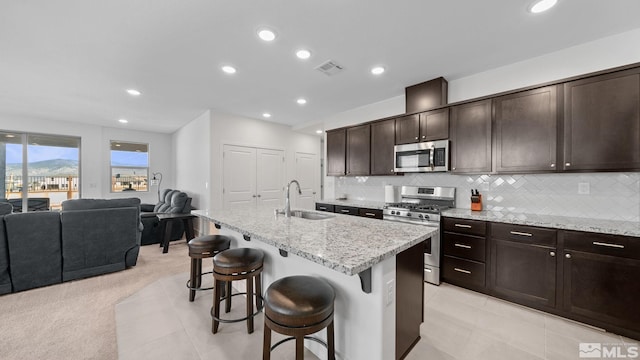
x=408 y=214
x=426 y=217
x=393 y=212
x=420 y=216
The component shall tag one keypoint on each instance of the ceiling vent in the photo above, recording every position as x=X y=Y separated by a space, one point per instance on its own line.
x=329 y=68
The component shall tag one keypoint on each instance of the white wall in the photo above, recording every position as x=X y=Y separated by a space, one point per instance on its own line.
x=94 y=151
x=192 y=160
x=234 y=130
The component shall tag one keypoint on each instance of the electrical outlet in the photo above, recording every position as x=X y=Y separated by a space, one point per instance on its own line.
x=391 y=291
x=583 y=188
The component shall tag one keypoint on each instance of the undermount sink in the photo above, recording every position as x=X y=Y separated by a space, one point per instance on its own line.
x=309 y=215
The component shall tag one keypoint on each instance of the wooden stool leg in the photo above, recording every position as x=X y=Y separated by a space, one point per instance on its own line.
x=250 y=304
x=266 y=344
x=258 y=292
x=192 y=279
x=228 y=295
x=300 y=347
x=216 y=306
x=331 y=347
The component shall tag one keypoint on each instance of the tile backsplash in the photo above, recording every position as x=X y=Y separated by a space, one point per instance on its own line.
x=611 y=196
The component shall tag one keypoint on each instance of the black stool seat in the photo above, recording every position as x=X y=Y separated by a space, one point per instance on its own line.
x=200 y=248
x=233 y=261
x=298 y=306
x=208 y=245
x=299 y=301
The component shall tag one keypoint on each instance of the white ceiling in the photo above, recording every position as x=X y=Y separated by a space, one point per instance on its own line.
x=72 y=60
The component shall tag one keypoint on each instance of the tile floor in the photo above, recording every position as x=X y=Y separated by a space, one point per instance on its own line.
x=459 y=324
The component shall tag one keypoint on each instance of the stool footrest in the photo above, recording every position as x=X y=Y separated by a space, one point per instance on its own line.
x=199 y=288
x=227 y=321
x=321 y=342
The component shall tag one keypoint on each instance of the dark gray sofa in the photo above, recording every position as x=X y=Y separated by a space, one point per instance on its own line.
x=87 y=238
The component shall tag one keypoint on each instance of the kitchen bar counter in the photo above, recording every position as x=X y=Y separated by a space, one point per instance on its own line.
x=378 y=313
x=347 y=244
x=628 y=228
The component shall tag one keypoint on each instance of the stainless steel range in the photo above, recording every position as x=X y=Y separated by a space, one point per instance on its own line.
x=422 y=205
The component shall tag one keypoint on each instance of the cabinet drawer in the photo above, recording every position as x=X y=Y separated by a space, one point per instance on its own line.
x=614 y=245
x=464 y=246
x=370 y=213
x=325 y=207
x=465 y=226
x=347 y=210
x=464 y=272
x=524 y=234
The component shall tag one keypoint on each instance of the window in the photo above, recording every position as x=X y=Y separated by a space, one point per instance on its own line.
x=46 y=166
x=129 y=166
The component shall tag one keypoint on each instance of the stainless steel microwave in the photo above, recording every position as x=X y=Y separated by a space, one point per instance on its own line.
x=428 y=156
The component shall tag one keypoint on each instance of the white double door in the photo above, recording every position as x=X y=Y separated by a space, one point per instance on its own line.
x=252 y=176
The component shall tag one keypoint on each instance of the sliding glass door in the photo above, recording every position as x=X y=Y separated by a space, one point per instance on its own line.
x=40 y=171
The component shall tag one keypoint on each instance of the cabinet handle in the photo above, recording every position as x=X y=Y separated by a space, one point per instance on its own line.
x=259 y=195
x=552 y=254
x=553 y=165
x=370 y=214
x=608 y=245
x=344 y=211
x=568 y=256
x=462 y=246
x=428 y=270
x=253 y=195
x=567 y=164
x=462 y=226
x=322 y=208
x=462 y=271
x=520 y=233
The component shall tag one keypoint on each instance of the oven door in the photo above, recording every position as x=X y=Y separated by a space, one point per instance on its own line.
x=432 y=260
x=422 y=157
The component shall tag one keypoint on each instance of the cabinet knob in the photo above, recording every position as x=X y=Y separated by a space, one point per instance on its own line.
x=253 y=195
x=552 y=253
x=568 y=256
x=391 y=170
x=553 y=165
x=567 y=164
x=416 y=138
x=454 y=168
x=424 y=136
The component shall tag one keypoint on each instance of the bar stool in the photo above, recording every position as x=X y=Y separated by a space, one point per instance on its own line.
x=200 y=248
x=231 y=265
x=298 y=306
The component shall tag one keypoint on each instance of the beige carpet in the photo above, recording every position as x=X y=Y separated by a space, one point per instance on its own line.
x=76 y=320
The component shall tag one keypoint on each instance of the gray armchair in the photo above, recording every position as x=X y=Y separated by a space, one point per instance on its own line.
x=5 y=279
x=171 y=202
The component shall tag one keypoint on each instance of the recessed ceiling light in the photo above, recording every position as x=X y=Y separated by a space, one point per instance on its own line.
x=133 y=92
x=301 y=101
x=318 y=131
x=229 y=69
x=377 y=70
x=266 y=35
x=542 y=5
x=123 y=121
x=266 y=115
x=303 y=54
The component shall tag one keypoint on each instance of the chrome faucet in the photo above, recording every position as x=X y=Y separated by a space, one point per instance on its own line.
x=287 y=201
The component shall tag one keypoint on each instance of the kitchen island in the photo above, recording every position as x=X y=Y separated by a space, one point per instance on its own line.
x=375 y=267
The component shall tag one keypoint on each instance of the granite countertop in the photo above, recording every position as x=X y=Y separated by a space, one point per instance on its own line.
x=355 y=203
x=628 y=228
x=345 y=243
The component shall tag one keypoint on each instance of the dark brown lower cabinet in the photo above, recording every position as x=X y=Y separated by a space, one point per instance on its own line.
x=409 y=298
x=602 y=288
x=524 y=273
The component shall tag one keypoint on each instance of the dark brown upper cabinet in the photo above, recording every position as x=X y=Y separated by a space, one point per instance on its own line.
x=408 y=129
x=427 y=126
x=336 y=152
x=525 y=128
x=434 y=125
x=602 y=122
x=358 y=150
x=471 y=138
x=426 y=95
x=382 y=142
